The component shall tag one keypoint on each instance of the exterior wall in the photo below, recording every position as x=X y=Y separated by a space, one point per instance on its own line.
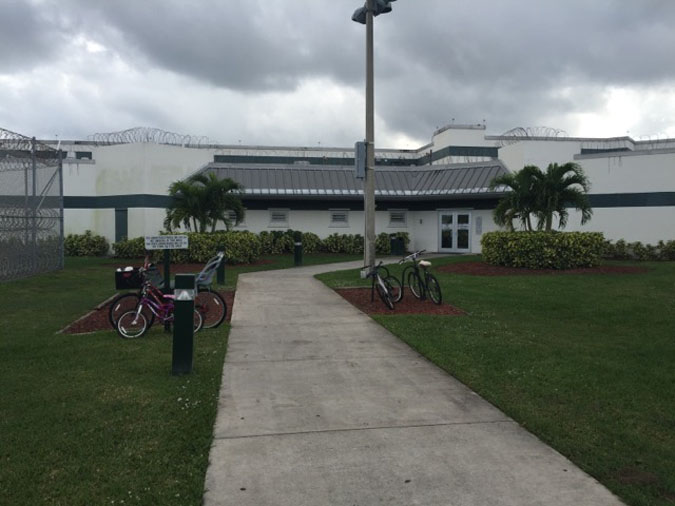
x=630 y=173
x=132 y=168
x=646 y=224
x=540 y=153
x=99 y=221
x=460 y=135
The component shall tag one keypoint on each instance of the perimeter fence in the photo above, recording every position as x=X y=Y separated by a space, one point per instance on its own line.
x=31 y=207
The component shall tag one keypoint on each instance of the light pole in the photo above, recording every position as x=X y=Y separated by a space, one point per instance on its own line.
x=365 y=15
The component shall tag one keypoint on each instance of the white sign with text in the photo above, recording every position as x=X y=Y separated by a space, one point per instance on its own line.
x=166 y=242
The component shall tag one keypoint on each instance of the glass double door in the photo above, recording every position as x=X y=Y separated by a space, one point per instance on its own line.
x=455 y=231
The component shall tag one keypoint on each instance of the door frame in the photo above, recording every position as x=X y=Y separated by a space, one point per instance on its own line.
x=455 y=228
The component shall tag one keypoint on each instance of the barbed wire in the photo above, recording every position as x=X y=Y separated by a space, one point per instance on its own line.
x=17 y=143
x=149 y=135
x=519 y=133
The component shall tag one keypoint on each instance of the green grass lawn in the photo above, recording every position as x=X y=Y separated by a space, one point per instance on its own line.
x=585 y=362
x=95 y=419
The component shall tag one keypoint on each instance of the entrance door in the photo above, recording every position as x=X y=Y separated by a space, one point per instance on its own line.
x=455 y=231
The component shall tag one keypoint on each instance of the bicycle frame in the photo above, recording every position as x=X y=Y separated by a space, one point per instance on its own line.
x=419 y=271
x=161 y=305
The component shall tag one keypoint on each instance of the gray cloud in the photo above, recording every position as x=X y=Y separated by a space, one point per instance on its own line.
x=511 y=63
x=27 y=36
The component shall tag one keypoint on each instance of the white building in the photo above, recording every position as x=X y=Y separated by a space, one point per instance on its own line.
x=439 y=194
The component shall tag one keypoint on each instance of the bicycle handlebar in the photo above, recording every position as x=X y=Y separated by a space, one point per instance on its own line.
x=412 y=256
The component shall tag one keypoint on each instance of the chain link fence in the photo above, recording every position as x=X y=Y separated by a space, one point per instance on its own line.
x=31 y=207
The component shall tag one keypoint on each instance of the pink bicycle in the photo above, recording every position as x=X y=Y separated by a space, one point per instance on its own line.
x=135 y=323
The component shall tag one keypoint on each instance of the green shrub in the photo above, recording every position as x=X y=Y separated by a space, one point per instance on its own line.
x=311 y=243
x=543 y=250
x=621 y=250
x=343 y=243
x=240 y=247
x=85 y=245
x=129 y=248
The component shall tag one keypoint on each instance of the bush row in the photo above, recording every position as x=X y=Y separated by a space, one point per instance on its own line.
x=85 y=245
x=622 y=250
x=246 y=247
x=543 y=250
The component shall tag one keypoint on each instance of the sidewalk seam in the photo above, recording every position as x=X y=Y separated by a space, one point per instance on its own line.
x=358 y=429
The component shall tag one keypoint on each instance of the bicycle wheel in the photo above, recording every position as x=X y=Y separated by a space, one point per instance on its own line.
x=415 y=284
x=434 y=288
x=198 y=321
x=385 y=296
x=131 y=326
x=127 y=302
x=394 y=287
x=212 y=308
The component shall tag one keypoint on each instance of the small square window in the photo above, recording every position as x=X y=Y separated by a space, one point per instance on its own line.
x=339 y=217
x=398 y=218
x=279 y=217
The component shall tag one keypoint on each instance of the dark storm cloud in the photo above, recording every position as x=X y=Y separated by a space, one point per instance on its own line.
x=27 y=36
x=243 y=45
x=512 y=63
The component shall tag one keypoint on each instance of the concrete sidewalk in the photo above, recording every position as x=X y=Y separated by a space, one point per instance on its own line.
x=320 y=405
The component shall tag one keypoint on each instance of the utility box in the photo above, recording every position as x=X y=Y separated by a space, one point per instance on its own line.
x=397 y=246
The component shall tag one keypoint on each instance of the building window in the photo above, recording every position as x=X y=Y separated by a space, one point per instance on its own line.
x=83 y=155
x=398 y=218
x=339 y=217
x=279 y=217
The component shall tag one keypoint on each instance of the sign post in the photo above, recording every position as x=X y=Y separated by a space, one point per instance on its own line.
x=167 y=243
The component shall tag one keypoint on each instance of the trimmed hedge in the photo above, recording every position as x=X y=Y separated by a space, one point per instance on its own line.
x=622 y=250
x=543 y=250
x=246 y=247
x=85 y=245
x=241 y=247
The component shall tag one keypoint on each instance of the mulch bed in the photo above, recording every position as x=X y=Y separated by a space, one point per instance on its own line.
x=97 y=319
x=360 y=297
x=483 y=269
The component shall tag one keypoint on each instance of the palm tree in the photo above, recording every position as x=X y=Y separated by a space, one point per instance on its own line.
x=222 y=196
x=520 y=202
x=560 y=187
x=542 y=194
x=202 y=201
x=185 y=208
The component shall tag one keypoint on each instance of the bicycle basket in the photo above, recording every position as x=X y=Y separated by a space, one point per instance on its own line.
x=128 y=280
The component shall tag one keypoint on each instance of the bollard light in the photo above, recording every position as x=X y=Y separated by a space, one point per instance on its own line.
x=183 y=324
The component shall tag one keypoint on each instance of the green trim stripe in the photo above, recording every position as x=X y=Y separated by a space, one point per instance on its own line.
x=654 y=199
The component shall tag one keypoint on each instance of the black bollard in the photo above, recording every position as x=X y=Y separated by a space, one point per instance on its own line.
x=183 y=324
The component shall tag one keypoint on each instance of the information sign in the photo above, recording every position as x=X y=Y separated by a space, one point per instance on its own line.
x=166 y=242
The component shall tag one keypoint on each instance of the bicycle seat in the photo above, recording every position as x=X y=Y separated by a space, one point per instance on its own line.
x=424 y=264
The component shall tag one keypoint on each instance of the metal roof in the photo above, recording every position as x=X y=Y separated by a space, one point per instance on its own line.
x=306 y=181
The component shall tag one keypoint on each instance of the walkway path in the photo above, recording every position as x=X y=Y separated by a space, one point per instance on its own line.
x=320 y=405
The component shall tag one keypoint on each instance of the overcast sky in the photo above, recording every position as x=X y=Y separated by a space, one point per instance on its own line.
x=291 y=72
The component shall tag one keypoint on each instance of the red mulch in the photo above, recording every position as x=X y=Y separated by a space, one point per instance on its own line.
x=360 y=297
x=483 y=269
x=98 y=318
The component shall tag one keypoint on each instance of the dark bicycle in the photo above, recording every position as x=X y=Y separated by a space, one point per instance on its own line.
x=388 y=287
x=420 y=281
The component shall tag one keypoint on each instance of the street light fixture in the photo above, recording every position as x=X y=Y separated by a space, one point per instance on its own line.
x=364 y=15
